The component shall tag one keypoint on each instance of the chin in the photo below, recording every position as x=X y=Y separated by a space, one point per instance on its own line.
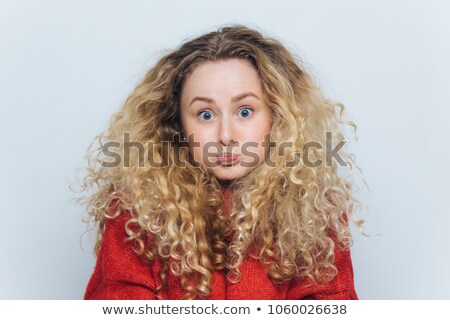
x=228 y=173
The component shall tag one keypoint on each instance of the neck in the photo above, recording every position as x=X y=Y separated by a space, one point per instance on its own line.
x=227 y=184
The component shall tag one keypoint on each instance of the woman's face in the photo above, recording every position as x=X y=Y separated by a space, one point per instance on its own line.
x=225 y=118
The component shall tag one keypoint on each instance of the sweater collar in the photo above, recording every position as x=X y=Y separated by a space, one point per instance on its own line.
x=226 y=196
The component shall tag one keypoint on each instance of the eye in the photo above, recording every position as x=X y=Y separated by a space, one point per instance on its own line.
x=205 y=115
x=245 y=112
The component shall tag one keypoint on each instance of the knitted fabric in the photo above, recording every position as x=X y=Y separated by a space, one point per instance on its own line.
x=121 y=274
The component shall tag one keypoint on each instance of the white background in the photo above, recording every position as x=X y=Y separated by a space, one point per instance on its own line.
x=67 y=66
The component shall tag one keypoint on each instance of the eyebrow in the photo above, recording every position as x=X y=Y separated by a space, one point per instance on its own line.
x=234 y=99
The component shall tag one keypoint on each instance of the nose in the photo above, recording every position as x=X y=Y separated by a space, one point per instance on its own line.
x=226 y=132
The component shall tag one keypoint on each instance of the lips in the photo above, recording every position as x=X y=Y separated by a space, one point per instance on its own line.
x=227 y=158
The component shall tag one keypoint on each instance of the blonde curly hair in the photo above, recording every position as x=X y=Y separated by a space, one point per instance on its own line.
x=289 y=217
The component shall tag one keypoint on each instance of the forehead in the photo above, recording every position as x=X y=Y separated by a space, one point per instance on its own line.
x=231 y=76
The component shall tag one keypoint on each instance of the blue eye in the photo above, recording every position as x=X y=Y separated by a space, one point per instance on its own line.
x=245 y=112
x=207 y=113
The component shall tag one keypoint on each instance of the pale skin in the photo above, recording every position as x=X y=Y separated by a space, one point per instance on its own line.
x=223 y=111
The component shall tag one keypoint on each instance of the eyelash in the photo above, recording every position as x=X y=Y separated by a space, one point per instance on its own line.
x=245 y=108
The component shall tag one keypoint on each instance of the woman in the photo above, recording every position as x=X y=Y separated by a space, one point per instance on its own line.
x=222 y=187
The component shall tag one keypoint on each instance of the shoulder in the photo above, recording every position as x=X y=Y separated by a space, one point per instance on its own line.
x=120 y=272
x=117 y=247
x=341 y=287
x=118 y=224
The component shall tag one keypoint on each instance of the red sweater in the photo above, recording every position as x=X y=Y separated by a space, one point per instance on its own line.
x=121 y=274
